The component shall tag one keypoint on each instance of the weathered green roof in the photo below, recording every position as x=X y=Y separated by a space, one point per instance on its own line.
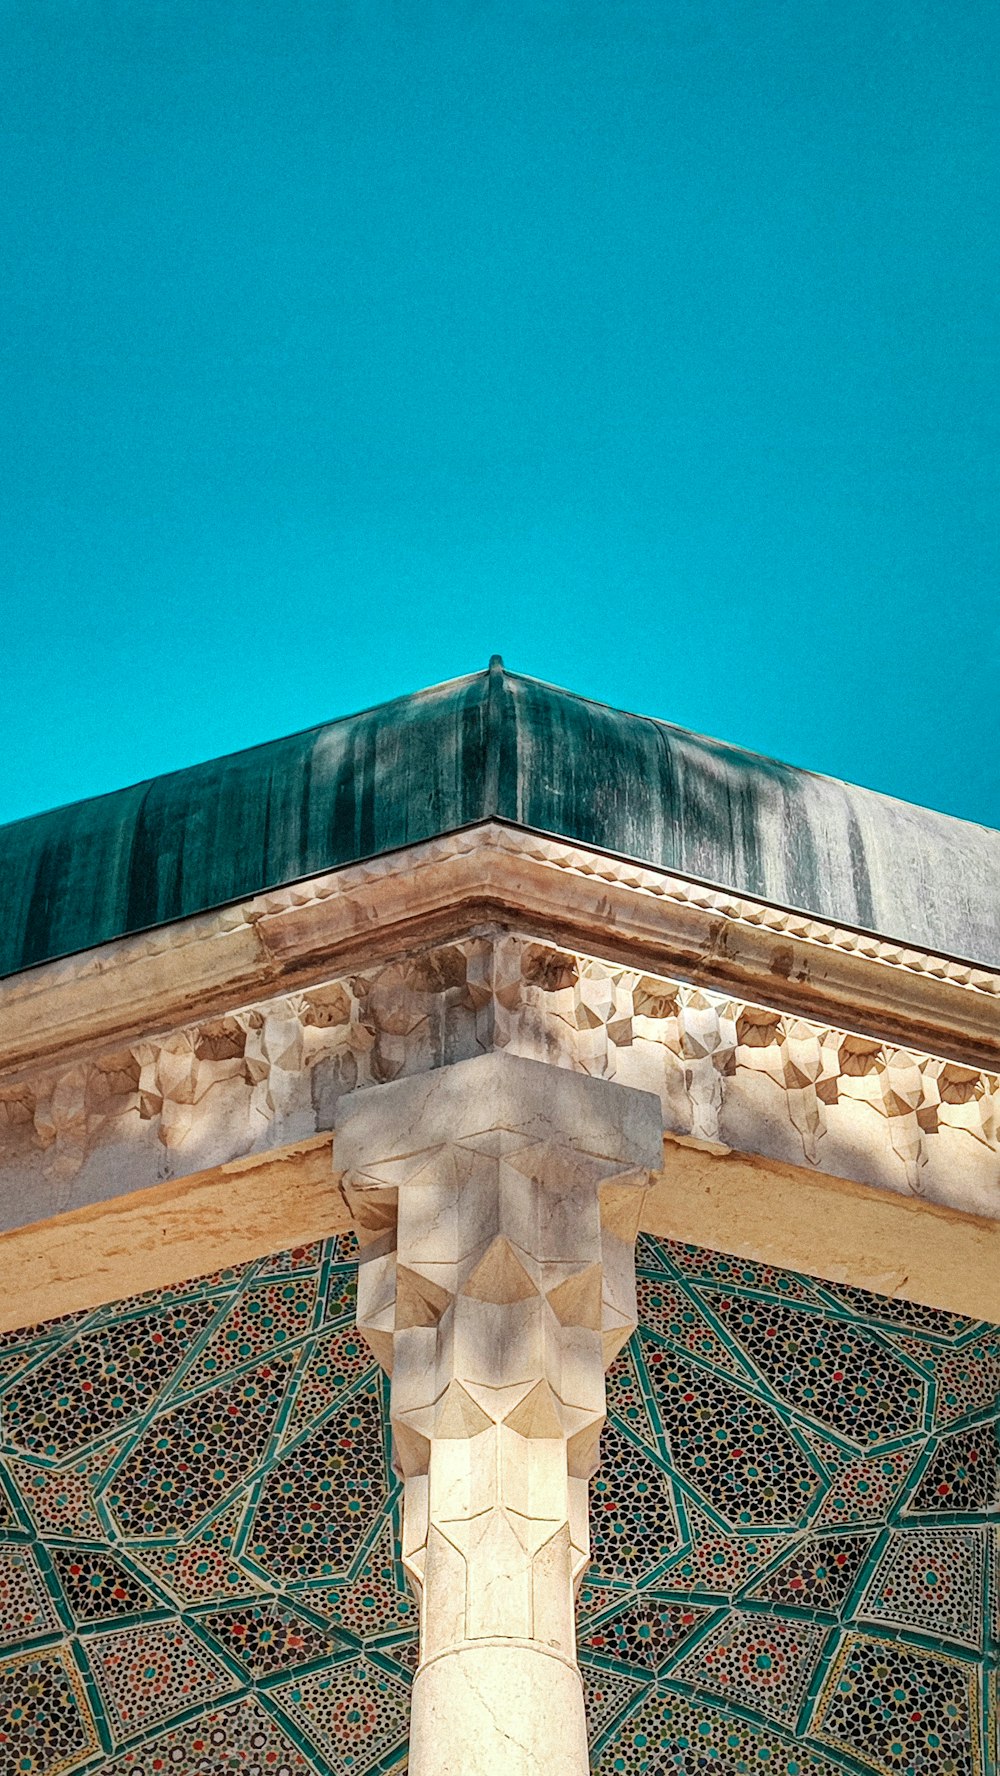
x=494 y=745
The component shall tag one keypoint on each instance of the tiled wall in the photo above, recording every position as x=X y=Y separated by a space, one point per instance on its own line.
x=796 y=1543
x=197 y=1517
x=795 y=1532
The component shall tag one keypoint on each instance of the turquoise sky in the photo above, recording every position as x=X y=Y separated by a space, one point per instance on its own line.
x=654 y=346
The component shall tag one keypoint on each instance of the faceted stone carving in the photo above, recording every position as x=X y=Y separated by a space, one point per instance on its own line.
x=725 y=1070
x=497 y=1203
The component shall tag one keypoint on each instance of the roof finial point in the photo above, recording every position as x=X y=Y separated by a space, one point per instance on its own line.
x=496 y=663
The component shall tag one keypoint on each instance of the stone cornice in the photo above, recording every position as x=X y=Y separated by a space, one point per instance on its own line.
x=630 y=914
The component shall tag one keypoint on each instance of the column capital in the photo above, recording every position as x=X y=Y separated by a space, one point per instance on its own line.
x=497 y=1201
x=491 y=1092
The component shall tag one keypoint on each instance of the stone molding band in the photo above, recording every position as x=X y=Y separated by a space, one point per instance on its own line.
x=447 y=888
x=489 y=1640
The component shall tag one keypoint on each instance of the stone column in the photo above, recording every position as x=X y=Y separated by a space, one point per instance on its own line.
x=497 y=1201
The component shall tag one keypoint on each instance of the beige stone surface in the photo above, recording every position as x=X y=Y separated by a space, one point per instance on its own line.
x=154 y=1238
x=727 y=1070
x=827 y=1227
x=753 y=1208
x=497 y=1201
x=538 y=1731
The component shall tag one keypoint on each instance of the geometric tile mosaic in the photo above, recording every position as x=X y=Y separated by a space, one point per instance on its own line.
x=97 y=1587
x=847 y=1378
x=900 y=1707
x=819 y=1573
x=356 y=1713
x=46 y=1723
x=863 y=1489
x=835 y=1480
x=931 y=1580
x=796 y=1534
x=963 y=1473
x=715 y=1562
x=267 y=1636
x=644 y=1632
x=26 y=1608
x=633 y=1518
x=606 y=1695
x=761 y=1661
x=99 y=1379
x=728 y=1442
x=687 y=1736
x=199 y=1535
x=969 y=1378
x=242 y=1737
x=150 y=1671
x=322 y=1495
x=189 y=1458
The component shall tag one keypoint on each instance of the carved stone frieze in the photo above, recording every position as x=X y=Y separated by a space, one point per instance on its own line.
x=727 y=1071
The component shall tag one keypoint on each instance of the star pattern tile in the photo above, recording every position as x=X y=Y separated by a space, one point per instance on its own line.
x=795 y=1533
